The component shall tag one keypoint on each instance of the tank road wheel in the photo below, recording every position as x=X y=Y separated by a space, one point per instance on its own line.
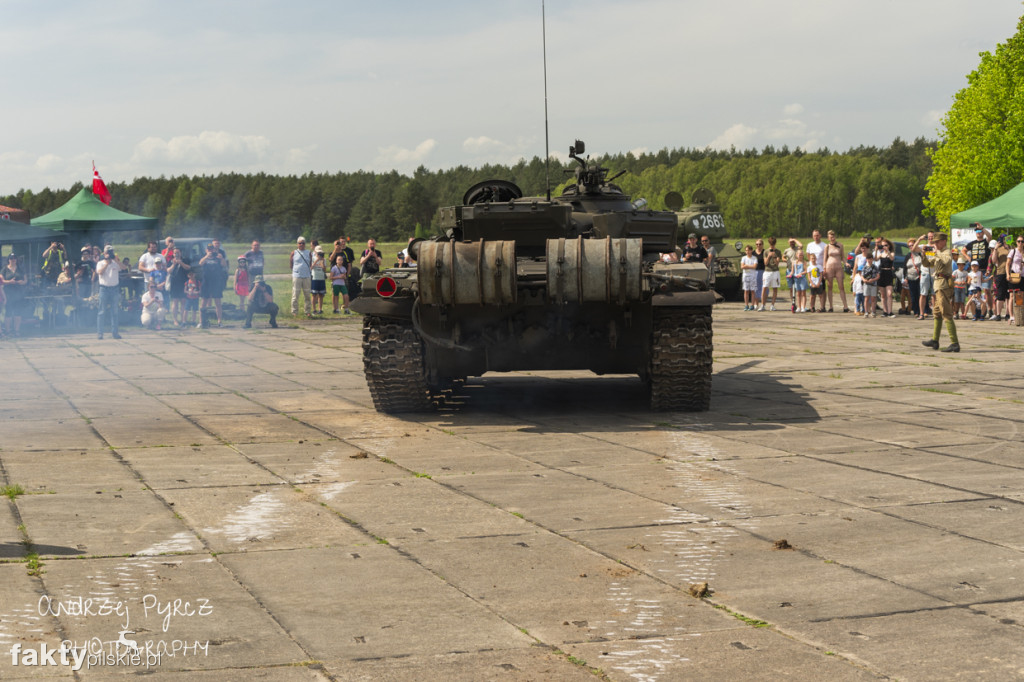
x=680 y=369
x=393 y=364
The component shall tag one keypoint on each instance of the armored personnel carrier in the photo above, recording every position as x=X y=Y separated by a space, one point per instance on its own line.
x=704 y=217
x=530 y=283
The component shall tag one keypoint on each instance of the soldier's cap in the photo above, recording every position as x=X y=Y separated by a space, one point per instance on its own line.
x=693 y=235
x=939 y=235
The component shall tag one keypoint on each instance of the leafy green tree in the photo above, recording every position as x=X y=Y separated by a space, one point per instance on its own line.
x=197 y=205
x=178 y=208
x=980 y=154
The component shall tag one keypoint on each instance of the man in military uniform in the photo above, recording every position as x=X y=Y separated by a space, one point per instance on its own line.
x=936 y=256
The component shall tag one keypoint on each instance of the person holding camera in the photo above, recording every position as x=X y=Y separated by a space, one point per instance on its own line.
x=53 y=262
x=108 y=273
x=177 y=277
x=153 y=311
x=939 y=260
x=371 y=260
x=260 y=302
x=213 y=266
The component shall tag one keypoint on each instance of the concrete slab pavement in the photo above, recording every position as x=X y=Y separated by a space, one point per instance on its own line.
x=234 y=492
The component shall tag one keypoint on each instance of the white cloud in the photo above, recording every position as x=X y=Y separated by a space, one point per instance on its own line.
x=793 y=109
x=932 y=118
x=637 y=151
x=299 y=157
x=49 y=162
x=209 y=148
x=738 y=135
x=401 y=158
x=786 y=129
x=486 y=145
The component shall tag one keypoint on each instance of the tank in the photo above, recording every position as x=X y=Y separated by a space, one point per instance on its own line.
x=531 y=283
x=704 y=217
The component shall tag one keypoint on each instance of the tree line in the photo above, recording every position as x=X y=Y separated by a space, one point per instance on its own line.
x=767 y=191
x=980 y=155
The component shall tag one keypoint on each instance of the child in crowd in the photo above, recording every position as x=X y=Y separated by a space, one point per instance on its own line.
x=242 y=287
x=318 y=285
x=799 y=282
x=66 y=277
x=159 y=276
x=338 y=275
x=814 y=282
x=960 y=289
x=191 y=297
x=870 y=275
x=987 y=297
x=858 y=291
x=974 y=298
x=748 y=264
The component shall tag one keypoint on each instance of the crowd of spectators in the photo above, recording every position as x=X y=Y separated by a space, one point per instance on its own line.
x=986 y=273
x=165 y=288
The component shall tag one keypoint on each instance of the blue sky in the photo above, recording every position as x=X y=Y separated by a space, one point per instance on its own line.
x=153 y=87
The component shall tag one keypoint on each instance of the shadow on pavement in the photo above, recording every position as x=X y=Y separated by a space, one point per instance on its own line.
x=16 y=550
x=743 y=398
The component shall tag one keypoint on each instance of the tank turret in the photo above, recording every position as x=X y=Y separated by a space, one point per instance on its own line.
x=532 y=283
x=703 y=217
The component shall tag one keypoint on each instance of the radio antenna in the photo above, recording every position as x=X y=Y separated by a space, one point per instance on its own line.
x=547 y=152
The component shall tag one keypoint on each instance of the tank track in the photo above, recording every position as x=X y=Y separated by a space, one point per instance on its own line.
x=681 y=355
x=393 y=364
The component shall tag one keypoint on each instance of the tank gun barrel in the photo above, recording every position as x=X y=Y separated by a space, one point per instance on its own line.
x=689 y=282
x=414 y=248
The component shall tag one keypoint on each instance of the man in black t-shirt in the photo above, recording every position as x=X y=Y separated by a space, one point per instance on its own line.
x=693 y=252
x=370 y=261
x=979 y=250
x=254 y=260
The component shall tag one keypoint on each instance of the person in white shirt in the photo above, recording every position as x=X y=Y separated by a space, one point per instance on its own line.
x=147 y=261
x=108 y=273
x=816 y=248
x=153 y=311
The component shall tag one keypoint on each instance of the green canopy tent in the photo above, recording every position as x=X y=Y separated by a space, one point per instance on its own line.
x=20 y=233
x=1005 y=212
x=86 y=219
x=30 y=241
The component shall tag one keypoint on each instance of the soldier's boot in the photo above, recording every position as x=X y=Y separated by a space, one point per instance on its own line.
x=954 y=342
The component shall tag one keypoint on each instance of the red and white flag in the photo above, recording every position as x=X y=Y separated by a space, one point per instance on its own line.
x=98 y=188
